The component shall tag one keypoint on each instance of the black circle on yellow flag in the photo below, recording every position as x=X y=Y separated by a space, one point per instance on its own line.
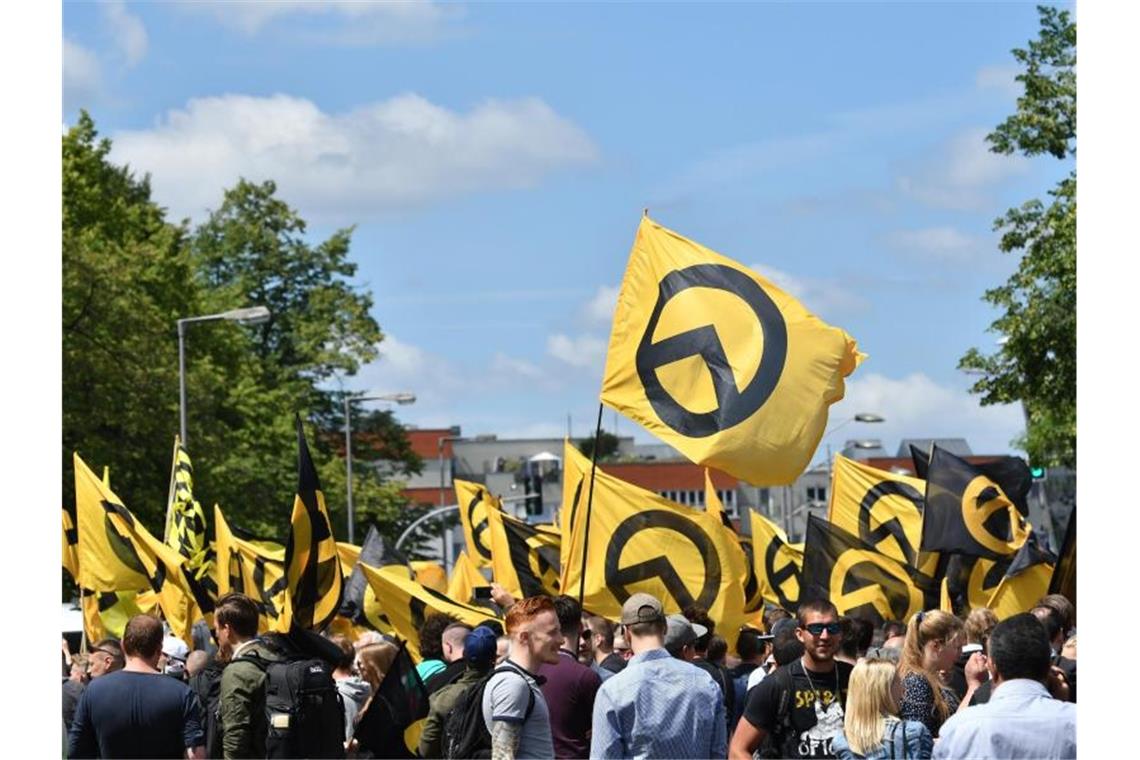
x=778 y=577
x=659 y=567
x=893 y=526
x=733 y=406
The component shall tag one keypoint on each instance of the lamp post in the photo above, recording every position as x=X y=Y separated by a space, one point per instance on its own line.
x=398 y=398
x=253 y=315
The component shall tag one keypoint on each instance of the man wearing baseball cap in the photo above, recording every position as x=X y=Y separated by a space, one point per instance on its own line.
x=658 y=706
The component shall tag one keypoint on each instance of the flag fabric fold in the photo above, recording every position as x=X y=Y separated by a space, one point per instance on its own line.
x=474 y=500
x=718 y=362
x=777 y=563
x=464 y=578
x=254 y=567
x=524 y=558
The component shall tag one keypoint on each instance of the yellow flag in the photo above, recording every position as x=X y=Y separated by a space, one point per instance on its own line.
x=740 y=547
x=70 y=543
x=464 y=578
x=314 y=585
x=778 y=564
x=117 y=553
x=883 y=509
x=575 y=487
x=524 y=558
x=1025 y=582
x=718 y=362
x=639 y=541
x=405 y=605
x=473 y=499
x=251 y=567
x=348 y=554
x=430 y=574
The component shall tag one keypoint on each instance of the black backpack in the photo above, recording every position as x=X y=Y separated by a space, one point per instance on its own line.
x=465 y=732
x=771 y=746
x=303 y=707
x=207 y=686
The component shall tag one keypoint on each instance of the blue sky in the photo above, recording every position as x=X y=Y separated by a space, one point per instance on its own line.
x=496 y=160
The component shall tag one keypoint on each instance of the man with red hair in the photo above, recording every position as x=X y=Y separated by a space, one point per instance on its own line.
x=514 y=709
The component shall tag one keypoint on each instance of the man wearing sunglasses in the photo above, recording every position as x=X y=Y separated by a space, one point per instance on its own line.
x=106 y=657
x=798 y=709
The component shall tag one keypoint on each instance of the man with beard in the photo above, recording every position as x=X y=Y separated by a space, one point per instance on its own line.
x=798 y=708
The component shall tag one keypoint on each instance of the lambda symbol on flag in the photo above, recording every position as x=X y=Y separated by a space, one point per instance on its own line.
x=660 y=568
x=981 y=500
x=733 y=406
x=777 y=578
x=893 y=526
x=478 y=526
x=893 y=595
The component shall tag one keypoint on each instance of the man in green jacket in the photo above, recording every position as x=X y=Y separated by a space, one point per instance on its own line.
x=479 y=649
x=241 y=700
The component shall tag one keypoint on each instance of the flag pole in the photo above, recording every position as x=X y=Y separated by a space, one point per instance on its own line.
x=83 y=625
x=589 y=506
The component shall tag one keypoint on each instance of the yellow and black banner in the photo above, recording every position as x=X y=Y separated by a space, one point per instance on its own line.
x=883 y=508
x=464 y=578
x=971 y=581
x=186 y=520
x=742 y=559
x=404 y=604
x=1026 y=580
x=429 y=573
x=254 y=567
x=116 y=553
x=348 y=554
x=718 y=362
x=70 y=544
x=1064 y=580
x=314 y=586
x=524 y=558
x=1012 y=472
x=639 y=541
x=575 y=491
x=968 y=512
x=858 y=579
x=473 y=500
x=777 y=563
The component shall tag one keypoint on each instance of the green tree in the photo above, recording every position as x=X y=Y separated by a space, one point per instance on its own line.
x=607 y=446
x=1037 y=361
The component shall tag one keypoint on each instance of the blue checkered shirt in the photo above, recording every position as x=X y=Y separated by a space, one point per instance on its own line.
x=659 y=706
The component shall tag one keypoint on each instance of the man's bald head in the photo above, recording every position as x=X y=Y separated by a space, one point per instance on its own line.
x=452 y=640
x=142 y=638
x=196 y=661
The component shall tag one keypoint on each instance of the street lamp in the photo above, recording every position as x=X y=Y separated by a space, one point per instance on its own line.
x=252 y=315
x=402 y=399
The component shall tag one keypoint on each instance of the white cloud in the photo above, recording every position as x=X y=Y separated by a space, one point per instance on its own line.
x=916 y=406
x=582 y=351
x=816 y=294
x=353 y=22
x=941 y=244
x=127 y=31
x=958 y=173
x=1001 y=78
x=82 y=75
x=512 y=366
x=379 y=157
x=599 y=310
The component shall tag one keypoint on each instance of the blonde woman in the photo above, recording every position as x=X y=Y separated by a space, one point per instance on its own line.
x=871 y=727
x=933 y=643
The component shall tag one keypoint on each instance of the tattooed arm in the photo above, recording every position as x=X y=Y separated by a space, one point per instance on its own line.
x=504 y=739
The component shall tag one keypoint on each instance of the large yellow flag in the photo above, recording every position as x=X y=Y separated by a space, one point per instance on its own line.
x=429 y=573
x=116 y=553
x=575 y=490
x=639 y=541
x=405 y=605
x=185 y=518
x=314 y=585
x=1025 y=582
x=464 y=578
x=524 y=558
x=883 y=509
x=70 y=544
x=473 y=500
x=252 y=567
x=348 y=554
x=740 y=548
x=720 y=363
x=778 y=564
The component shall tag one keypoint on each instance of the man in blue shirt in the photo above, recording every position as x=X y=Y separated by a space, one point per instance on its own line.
x=138 y=711
x=658 y=706
x=1021 y=719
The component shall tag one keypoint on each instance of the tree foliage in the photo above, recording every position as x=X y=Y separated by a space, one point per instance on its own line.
x=129 y=274
x=607 y=446
x=1036 y=363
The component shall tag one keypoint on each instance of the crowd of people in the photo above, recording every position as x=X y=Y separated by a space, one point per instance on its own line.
x=554 y=682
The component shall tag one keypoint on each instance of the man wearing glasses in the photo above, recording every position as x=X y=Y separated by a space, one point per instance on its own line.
x=106 y=657
x=799 y=707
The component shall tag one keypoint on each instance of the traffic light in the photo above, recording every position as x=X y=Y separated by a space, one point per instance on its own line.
x=1038 y=473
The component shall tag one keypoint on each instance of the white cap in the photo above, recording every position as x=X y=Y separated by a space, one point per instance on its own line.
x=176 y=653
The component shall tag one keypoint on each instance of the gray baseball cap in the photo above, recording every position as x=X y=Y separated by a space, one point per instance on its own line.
x=679 y=631
x=642 y=608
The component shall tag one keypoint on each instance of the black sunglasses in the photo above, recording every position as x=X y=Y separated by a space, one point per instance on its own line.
x=815 y=629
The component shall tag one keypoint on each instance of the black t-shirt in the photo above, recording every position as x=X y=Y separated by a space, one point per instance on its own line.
x=814 y=708
x=128 y=714
x=613 y=662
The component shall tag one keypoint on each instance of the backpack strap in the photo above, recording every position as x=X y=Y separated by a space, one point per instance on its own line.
x=529 y=690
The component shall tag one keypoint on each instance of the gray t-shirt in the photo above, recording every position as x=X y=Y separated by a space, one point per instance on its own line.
x=506 y=699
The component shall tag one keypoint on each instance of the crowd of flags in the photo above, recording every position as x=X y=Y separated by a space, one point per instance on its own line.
x=715 y=360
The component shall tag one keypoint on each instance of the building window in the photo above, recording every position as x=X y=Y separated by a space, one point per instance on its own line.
x=728 y=499
x=817 y=493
